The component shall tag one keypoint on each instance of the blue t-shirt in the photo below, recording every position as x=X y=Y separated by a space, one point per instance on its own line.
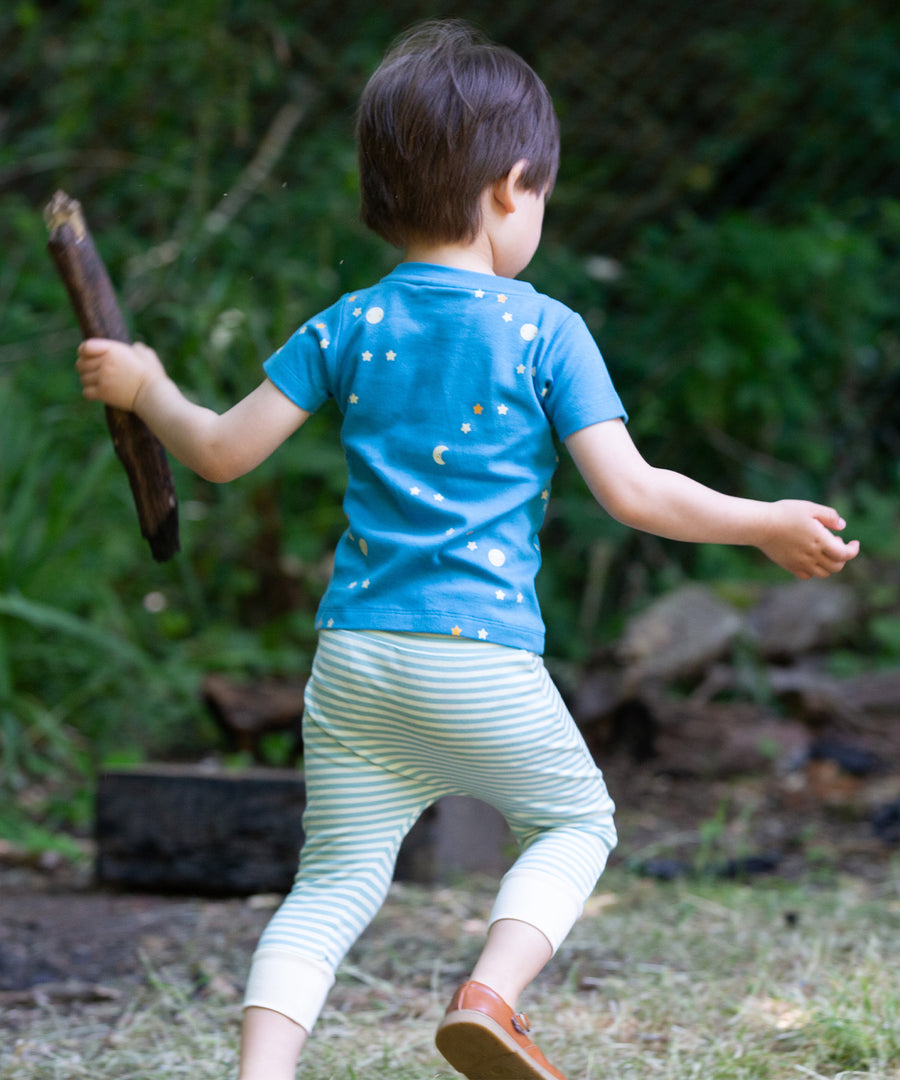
x=449 y=382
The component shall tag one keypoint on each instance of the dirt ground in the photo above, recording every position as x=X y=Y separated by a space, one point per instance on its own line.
x=64 y=939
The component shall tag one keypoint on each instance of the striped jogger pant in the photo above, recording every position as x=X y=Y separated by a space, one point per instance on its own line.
x=393 y=722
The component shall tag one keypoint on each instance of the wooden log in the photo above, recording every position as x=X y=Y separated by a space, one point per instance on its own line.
x=96 y=308
x=186 y=828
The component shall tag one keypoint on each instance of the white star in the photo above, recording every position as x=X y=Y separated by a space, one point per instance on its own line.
x=503 y=409
x=472 y=546
x=353 y=399
x=330 y=623
x=520 y=370
x=391 y=355
x=544 y=392
x=367 y=356
x=414 y=491
x=519 y=598
x=545 y=494
x=466 y=428
x=438 y=497
x=357 y=311
x=482 y=634
x=500 y=594
x=449 y=532
x=352 y=584
x=479 y=293
x=507 y=317
x=366 y=583
x=325 y=343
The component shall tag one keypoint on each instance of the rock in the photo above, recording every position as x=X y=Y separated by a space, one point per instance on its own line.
x=678 y=636
x=802 y=617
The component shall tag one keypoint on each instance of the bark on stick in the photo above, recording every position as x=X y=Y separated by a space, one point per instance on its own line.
x=96 y=308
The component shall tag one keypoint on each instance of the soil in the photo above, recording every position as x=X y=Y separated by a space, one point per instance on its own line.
x=64 y=939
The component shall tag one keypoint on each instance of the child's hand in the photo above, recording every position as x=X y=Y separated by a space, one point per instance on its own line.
x=116 y=373
x=802 y=542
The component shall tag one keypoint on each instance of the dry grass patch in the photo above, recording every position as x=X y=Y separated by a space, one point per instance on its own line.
x=663 y=981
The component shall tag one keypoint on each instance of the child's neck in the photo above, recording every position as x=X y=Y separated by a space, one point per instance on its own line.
x=476 y=256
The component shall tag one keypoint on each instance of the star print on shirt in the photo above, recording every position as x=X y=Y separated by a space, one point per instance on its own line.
x=507 y=317
x=466 y=428
x=520 y=370
x=479 y=293
x=503 y=409
x=483 y=634
x=353 y=399
x=478 y=409
x=391 y=355
x=367 y=356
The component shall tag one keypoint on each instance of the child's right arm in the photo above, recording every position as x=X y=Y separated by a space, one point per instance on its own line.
x=218 y=447
x=797 y=535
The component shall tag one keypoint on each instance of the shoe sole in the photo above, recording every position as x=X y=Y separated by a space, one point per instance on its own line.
x=480 y=1049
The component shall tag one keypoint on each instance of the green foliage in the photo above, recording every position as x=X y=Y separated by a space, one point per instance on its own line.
x=754 y=339
x=772 y=345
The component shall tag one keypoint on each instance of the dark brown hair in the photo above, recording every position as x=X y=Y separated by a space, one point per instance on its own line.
x=446 y=114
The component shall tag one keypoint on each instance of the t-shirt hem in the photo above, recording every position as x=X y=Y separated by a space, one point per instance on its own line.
x=448 y=624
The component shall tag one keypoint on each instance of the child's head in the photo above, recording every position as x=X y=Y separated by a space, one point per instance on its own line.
x=446 y=115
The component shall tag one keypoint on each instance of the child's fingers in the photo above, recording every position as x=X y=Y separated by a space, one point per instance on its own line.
x=836 y=556
x=94 y=346
x=829 y=517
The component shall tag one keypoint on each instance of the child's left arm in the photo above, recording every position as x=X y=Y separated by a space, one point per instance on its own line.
x=795 y=534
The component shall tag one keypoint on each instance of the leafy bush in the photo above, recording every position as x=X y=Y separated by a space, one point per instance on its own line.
x=755 y=347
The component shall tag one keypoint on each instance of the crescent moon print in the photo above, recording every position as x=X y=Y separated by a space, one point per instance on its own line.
x=438 y=454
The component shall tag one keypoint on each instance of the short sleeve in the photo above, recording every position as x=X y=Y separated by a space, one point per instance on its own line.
x=574 y=382
x=299 y=368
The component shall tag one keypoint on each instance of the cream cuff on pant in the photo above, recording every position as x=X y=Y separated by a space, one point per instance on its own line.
x=540 y=900
x=288 y=984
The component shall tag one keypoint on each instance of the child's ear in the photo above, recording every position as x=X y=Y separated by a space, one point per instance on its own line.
x=506 y=189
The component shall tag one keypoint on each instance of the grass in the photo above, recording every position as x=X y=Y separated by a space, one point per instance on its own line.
x=667 y=981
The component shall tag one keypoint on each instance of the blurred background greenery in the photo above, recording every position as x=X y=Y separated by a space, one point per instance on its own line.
x=727 y=218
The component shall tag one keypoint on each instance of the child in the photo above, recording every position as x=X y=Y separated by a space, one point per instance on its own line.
x=428 y=680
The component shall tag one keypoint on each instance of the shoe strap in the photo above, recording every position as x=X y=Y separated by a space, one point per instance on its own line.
x=520 y=1023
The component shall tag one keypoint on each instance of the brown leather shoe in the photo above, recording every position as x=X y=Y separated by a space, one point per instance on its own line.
x=482 y=1038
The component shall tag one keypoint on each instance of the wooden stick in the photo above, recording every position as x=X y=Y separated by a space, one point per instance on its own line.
x=97 y=310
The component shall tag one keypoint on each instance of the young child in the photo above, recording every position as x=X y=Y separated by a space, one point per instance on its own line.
x=428 y=680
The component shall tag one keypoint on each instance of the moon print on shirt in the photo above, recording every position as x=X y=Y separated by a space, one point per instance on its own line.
x=438 y=454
